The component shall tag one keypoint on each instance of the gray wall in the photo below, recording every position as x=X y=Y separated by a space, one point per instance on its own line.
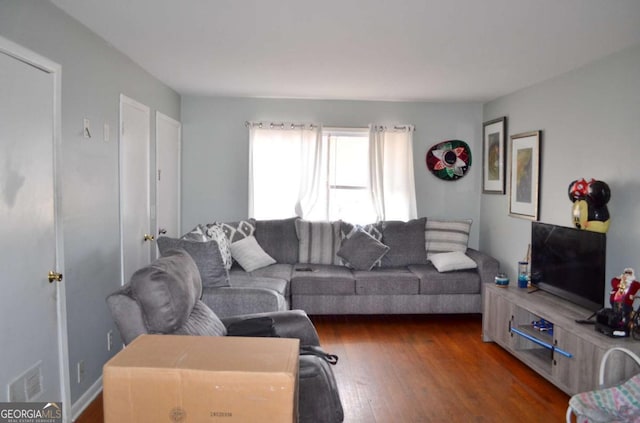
x=93 y=76
x=590 y=120
x=216 y=150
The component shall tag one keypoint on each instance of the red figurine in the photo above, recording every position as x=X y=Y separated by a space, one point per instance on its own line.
x=623 y=292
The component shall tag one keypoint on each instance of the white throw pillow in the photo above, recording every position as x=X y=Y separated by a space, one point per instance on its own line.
x=249 y=254
x=456 y=260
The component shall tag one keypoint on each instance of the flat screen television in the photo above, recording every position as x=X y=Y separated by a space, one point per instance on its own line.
x=569 y=263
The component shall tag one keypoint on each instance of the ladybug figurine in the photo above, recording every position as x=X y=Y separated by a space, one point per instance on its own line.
x=590 y=200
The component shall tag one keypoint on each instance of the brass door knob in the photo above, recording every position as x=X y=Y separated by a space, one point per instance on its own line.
x=54 y=276
x=148 y=237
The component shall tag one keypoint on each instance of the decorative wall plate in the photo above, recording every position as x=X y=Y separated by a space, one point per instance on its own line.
x=449 y=160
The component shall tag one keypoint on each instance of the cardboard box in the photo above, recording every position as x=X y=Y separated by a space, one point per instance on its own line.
x=169 y=378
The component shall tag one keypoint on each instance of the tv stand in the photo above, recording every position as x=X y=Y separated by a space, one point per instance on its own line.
x=569 y=355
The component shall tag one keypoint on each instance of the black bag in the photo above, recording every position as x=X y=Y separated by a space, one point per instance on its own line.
x=256 y=326
x=611 y=318
x=317 y=351
x=319 y=390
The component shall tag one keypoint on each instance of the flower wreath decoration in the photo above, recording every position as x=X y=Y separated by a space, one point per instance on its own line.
x=449 y=160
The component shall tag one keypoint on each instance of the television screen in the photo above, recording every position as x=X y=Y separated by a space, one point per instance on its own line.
x=570 y=263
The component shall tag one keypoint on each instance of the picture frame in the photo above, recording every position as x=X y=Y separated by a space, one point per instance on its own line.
x=494 y=156
x=524 y=183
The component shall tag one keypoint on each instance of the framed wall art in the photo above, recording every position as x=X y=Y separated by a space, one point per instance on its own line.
x=525 y=175
x=494 y=156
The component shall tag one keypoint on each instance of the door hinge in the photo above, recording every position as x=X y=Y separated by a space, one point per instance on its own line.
x=159 y=173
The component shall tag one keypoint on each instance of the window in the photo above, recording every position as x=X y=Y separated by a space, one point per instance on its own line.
x=349 y=193
x=354 y=174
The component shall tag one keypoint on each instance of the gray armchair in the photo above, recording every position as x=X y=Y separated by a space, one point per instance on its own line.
x=164 y=298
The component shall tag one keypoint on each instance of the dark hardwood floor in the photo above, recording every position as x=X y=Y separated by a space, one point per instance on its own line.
x=396 y=369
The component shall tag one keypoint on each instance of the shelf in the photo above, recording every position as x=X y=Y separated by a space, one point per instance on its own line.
x=531 y=331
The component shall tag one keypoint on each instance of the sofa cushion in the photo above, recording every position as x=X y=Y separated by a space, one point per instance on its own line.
x=458 y=282
x=202 y=322
x=167 y=290
x=442 y=236
x=386 y=282
x=206 y=256
x=319 y=242
x=278 y=271
x=250 y=255
x=406 y=242
x=318 y=279
x=361 y=251
x=245 y=280
x=455 y=260
x=278 y=239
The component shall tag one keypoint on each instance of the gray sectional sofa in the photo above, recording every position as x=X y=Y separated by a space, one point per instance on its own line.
x=337 y=267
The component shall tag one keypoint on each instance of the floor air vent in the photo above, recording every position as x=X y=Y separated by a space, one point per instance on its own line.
x=28 y=386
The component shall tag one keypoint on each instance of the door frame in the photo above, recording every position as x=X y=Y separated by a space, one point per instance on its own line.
x=161 y=116
x=55 y=70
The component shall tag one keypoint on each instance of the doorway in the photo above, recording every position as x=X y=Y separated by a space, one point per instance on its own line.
x=168 y=147
x=33 y=320
x=135 y=220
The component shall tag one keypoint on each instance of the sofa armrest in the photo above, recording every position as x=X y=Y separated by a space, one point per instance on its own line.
x=231 y=301
x=127 y=314
x=488 y=266
x=287 y=324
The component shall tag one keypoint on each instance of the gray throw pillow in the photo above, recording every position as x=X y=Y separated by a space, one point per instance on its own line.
x=206 y=256
x=235 y=231
x=406 y=242
x=373 y=229
x=166 y=291
x=198 y=233
x=215 y=233
x=278 y=238
x=361 y=251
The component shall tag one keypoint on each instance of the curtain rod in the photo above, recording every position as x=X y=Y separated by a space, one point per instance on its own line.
x=283 y=125
x=280 y=125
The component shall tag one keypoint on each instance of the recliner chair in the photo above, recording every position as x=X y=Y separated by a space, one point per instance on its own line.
x=164 y=298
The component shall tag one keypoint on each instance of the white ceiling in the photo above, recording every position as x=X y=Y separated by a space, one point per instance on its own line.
x=410 y=50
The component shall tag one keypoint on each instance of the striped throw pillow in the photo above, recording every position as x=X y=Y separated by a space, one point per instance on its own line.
x=443 y=236
x=318 y=242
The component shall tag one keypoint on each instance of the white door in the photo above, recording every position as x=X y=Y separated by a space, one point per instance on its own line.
x=168 y=146
x=135 y=219
x=32 y=309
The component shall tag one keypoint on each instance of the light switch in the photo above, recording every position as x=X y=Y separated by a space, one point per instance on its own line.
x=86 y=130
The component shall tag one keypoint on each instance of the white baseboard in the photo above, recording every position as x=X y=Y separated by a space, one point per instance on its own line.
x=83 y=402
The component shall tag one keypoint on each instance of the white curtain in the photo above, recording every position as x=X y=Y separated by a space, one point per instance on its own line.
x=285 y=170
x=392 y=182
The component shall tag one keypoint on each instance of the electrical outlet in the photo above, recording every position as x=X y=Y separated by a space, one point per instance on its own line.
x=80 y=371
x=109 y=340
